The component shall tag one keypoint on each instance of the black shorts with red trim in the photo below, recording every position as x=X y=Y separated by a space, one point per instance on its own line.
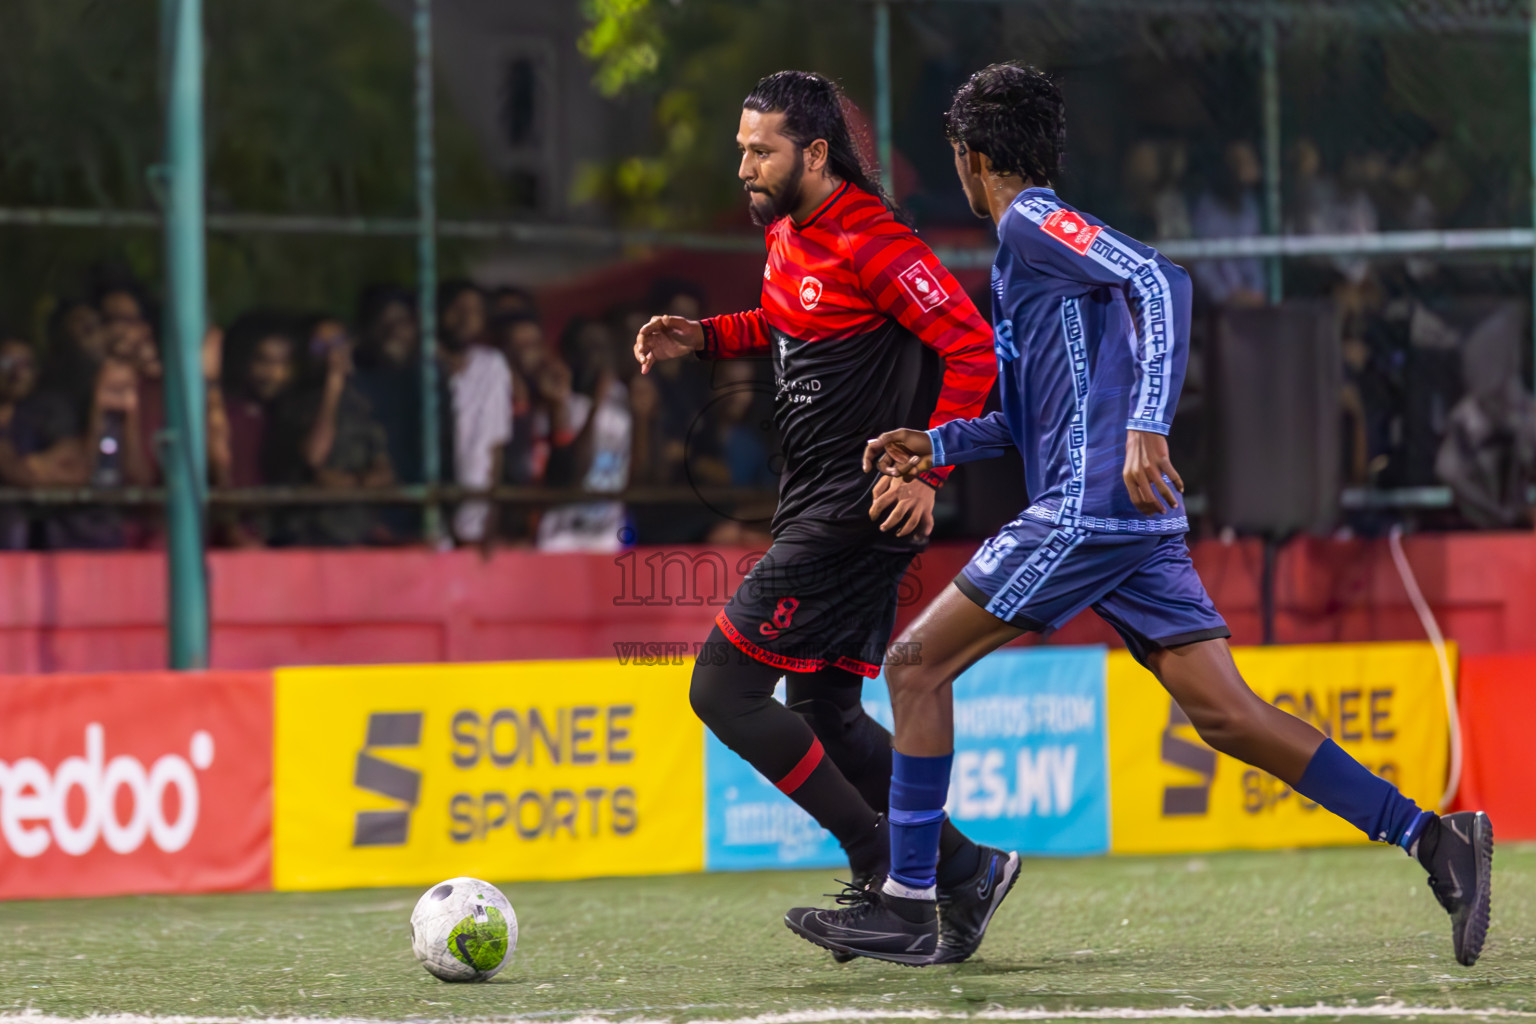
x=812 y=603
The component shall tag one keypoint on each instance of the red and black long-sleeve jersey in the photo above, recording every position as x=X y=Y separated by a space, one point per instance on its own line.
x=851 y=297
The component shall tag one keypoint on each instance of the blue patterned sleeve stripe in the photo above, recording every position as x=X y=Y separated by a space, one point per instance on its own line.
x=1156 y=329
x=1161 y=337
x=1148 y=426
x=960 y=441
x=937 y=440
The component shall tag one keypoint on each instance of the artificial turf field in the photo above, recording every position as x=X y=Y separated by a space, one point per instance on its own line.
x=1319 y=934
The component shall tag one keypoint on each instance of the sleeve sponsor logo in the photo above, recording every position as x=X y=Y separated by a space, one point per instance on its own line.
x=1071 y=230
x=810 y=292
x=923 y=286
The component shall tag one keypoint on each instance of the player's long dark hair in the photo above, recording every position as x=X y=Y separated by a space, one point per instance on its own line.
x=812 y=106
x=1015 y=115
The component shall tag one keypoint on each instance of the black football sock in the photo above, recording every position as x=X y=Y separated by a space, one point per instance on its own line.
x=959 y=857
x=870 y=855
x=735 y=699
x=1427 y=842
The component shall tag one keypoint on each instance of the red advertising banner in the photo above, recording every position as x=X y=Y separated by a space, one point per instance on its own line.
x=149 y=782
x=1498 y=774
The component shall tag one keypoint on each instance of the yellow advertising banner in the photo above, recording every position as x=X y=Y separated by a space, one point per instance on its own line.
x=1170 y=793
x=408 y=774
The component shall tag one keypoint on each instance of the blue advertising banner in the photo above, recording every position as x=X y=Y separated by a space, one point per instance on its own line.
x=1030 y=769
x=749 y=824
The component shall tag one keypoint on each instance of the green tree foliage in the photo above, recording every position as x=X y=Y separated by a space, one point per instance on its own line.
x=308 y=111
x=624 y=42
x=709 y=55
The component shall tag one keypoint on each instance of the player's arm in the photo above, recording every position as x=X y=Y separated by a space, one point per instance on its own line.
x=905 y=280
x=910 y=453
x=736 y=334
x=1158 y=292
x=715 y=337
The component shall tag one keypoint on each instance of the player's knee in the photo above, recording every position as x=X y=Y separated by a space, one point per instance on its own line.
x=709 y=698
x=1229 y=727
x=918 y=680
x=826 y=719
x=847 y=733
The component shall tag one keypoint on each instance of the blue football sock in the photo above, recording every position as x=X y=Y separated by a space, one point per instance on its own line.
x=1371 y=804
x=918 y=788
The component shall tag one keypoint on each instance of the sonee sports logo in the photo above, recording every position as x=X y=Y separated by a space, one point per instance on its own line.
x=398 y=730
x=1182 y=800
x=810 y=292
x=923 y=287
x=1071 y=230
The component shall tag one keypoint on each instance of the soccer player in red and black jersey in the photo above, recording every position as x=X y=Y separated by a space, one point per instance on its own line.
x=857 y=314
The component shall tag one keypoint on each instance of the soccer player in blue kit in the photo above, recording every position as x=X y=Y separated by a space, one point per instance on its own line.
x=1092 y=337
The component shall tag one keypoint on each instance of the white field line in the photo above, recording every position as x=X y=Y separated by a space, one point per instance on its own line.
x=1386 y=1011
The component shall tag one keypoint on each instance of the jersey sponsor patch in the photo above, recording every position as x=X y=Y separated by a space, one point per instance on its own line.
x=1071 y=230
x=810 y=292
x=922 y=285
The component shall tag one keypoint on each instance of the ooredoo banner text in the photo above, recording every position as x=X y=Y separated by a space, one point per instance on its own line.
x=134 y=783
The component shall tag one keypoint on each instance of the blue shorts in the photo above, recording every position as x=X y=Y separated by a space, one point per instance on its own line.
x=1036 y=576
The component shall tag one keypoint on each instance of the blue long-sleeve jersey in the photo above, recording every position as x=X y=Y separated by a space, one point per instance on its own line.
x=1091 y=330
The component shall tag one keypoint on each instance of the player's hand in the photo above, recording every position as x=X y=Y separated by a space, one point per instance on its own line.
x=904 y=453
x=1146 y=466
x=667 y=337
x=910 y=503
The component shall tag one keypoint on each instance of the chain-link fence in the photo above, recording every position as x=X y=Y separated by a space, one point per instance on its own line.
x=1363 y=166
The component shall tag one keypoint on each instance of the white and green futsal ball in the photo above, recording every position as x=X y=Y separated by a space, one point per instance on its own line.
x=463 y=930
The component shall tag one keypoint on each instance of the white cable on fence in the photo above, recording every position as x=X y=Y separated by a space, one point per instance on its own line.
x=1437 y=640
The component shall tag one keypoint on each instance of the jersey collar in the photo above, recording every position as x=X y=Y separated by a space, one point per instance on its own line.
x=1014 y=206
x=837 y=193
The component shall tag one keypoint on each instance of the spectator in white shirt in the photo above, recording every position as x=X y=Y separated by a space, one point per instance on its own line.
x=480 y=392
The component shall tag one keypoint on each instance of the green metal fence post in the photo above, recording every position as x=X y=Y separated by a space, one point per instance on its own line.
x=426 y=207
x=186 y=460
x=1270 y=45
x=883 y=94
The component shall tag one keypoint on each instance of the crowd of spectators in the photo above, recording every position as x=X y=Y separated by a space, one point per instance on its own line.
x=320 y=401
x=1432 y=385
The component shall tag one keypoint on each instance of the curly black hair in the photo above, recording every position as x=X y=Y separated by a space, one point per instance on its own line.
x=1014 y=115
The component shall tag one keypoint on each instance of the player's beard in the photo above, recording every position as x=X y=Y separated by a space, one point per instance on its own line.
x=767 y=206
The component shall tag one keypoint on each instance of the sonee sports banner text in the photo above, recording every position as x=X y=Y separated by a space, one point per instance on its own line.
x=1383 y=703
x=531 y=770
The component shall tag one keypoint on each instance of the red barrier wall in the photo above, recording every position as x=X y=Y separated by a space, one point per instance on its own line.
x=1498 y=775
x=94 y=612
x=158 y=782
